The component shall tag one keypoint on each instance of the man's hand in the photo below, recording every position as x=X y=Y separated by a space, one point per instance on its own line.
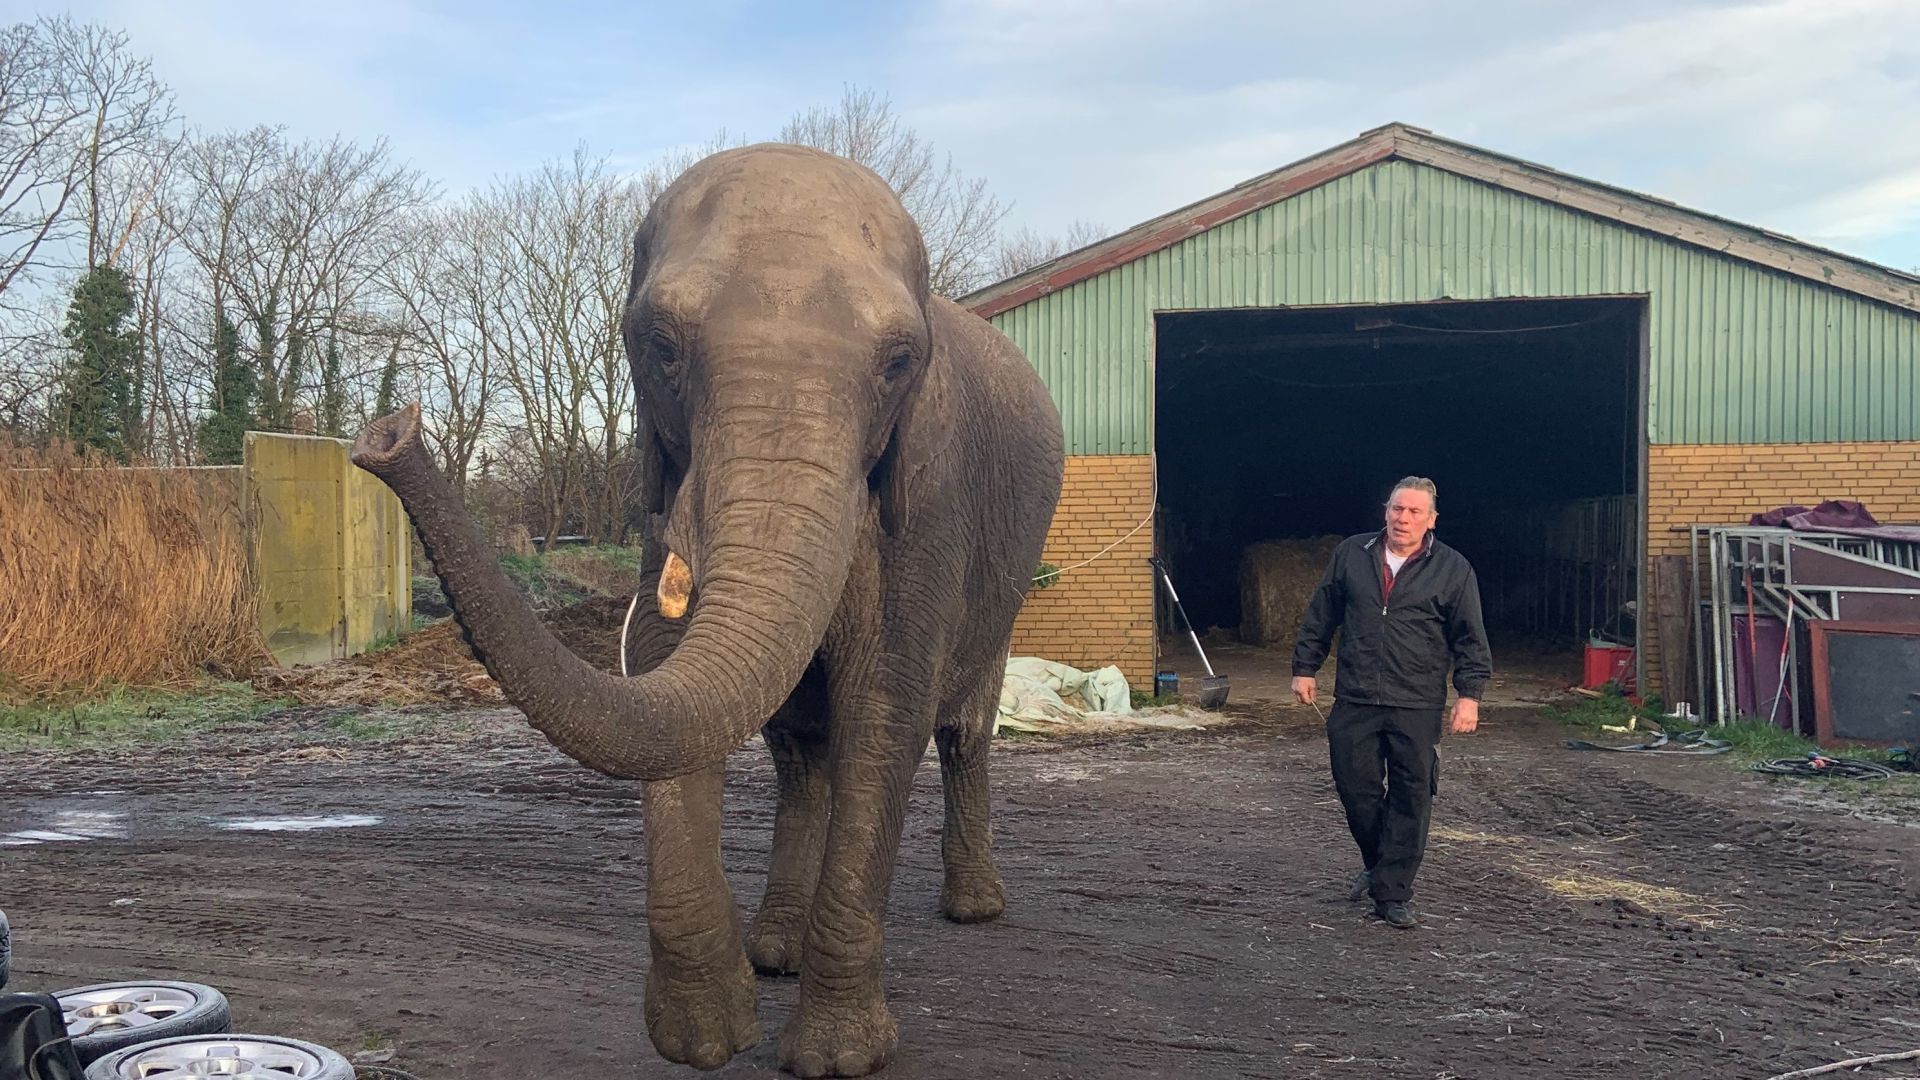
x=1306 y=689
x=1466 y=716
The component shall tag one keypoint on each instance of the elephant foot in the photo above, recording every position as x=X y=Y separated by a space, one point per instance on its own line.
x=776 y=939
x=702 y=1017
x=840 y=1037
x=973 y=897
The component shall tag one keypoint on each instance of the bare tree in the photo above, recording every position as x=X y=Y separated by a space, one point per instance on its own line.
x=558 y=260
x=958 y=217
x=124 y=144
x=1024 y=249
x=29 y=373
x=294 y=242
x=446 y=286
x=39 y=114
x=75 y=105
x=316 y=239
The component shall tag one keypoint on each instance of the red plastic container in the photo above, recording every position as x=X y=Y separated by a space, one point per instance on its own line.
x=1609 y=664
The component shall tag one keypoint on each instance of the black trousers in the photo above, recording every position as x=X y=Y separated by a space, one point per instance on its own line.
x=1386 y=769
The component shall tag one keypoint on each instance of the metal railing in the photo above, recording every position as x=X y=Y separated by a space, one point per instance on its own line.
x=1765 y=571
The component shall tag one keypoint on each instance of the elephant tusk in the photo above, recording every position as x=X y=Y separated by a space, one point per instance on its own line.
x=676 y=586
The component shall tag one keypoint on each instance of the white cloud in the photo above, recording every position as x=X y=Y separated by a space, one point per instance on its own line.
x=1884 y=206
x=1798 y=115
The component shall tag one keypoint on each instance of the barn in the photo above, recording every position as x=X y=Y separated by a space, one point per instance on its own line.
x=1584 y=371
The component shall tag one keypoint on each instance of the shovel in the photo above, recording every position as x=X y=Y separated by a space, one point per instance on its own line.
x=1213 y=688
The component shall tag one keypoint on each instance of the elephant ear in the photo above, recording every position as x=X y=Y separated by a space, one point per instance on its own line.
x=921 y=429
x=656 y=483
x=649 y=494
x=896 y=504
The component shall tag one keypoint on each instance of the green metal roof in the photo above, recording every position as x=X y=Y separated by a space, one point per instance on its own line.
x=1753 y=337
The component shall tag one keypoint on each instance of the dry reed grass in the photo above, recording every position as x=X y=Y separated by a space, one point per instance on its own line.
x=112 y=575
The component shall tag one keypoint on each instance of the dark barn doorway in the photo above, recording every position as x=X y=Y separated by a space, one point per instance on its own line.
x=1278 y=426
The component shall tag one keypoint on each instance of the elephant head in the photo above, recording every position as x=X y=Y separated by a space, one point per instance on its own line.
x=777 y=327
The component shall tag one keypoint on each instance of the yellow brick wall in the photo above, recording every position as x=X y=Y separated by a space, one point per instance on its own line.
x=1725 y=485
x=1101 y=613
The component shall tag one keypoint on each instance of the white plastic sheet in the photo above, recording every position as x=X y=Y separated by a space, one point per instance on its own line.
x=1043 y=696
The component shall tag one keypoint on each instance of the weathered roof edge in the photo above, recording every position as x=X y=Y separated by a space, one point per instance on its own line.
x=1407 y=143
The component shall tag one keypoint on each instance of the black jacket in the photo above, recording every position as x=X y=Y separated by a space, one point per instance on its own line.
x=1397 y=651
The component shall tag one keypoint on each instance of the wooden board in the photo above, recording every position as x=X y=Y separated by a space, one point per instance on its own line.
x=1672 y=613
x=1866 y=682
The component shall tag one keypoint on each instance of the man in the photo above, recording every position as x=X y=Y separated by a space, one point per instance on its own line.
x=1408 y=609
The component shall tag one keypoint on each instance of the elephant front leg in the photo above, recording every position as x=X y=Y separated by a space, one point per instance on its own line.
x=700 y=1007
x=842 y=1026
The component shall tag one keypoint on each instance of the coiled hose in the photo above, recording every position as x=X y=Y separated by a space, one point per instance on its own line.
x=1816 y=765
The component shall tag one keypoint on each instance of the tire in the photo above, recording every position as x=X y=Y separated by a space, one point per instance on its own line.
x=241 y=1057
x=6 y=949
x=105 y=1017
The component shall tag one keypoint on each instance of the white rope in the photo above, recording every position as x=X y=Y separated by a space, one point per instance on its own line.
x=1153 y=498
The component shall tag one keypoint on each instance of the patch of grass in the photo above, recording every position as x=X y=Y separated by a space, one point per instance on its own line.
x=603 y=569
x=1610 y=708
x=371 y=728
x=557 y=578
x=1144 y=700
x=384 y=642
x=1757 y=740
x=121 y=715
x=543 y=583
x=1753 y=740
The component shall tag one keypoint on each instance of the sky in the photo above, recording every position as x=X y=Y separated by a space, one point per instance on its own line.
x=1801 y=116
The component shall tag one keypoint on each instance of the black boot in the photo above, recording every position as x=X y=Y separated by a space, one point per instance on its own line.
x=1396 y=913
x=1362 y=886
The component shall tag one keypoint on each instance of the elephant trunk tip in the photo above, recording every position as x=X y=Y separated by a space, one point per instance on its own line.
x=387 y=438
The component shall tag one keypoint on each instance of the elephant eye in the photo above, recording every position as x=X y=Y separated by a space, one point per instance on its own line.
x=660 y=343
x=899 y=362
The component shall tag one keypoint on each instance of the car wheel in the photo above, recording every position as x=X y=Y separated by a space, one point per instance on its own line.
x=108 y=1016
x=236 y=1057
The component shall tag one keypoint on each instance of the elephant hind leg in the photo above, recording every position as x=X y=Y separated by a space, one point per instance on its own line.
x=972 y=891
x=796 y=738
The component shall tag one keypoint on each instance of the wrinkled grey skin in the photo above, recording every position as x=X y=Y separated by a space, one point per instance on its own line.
x=860 y=476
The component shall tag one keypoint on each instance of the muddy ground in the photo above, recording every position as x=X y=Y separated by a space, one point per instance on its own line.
x=1175 y=909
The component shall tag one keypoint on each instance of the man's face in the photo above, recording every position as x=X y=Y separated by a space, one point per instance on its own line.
x=1410 y=516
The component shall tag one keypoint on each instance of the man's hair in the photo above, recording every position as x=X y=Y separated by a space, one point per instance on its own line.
x=1416 y=483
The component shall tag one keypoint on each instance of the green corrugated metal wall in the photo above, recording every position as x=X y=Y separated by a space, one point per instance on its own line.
x=1738 y=353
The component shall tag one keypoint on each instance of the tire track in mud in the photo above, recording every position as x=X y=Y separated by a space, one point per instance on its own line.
x=1175 y=909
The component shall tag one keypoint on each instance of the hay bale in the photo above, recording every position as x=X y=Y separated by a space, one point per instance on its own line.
x=1277 y=579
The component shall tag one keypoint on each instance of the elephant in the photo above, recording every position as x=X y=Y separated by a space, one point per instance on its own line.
x=851 y=480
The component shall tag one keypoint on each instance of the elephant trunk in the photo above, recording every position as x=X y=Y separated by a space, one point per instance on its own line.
x=767 y=572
